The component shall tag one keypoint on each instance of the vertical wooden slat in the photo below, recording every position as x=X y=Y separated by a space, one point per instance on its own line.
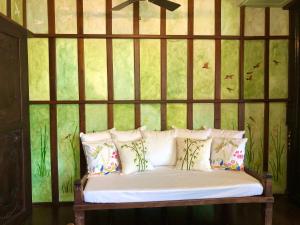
x=190 y=64
x=163 y=61
x=218 y=63
x=8 y=8
x=53 y=97
x=81 y=80
x=241 y=106
x=137 y=92
x=266 y=94
x=24 y=5
x=110 y=78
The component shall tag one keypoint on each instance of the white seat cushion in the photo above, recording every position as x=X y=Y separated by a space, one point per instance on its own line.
x=167 y=183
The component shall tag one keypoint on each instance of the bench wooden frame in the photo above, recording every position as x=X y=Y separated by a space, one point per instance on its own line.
x=266 y=199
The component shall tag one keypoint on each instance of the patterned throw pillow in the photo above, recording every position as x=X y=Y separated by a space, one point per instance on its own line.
x=134 y=156
x=193 y=154
x=228 y=153
x=102 y=157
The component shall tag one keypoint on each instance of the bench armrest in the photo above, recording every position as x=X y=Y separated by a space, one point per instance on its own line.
x=265 y=179
x=79 y=186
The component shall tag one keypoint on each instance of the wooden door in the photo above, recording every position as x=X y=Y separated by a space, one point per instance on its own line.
x=15 y=178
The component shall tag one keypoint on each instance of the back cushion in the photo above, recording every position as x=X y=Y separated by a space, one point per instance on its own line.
x=194 y=134
x=130 y=135
x=162 y=147
x=218 y=133
x=97 y=136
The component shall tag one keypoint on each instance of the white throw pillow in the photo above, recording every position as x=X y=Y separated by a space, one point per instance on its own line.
x=228 y=153
x=129 y=135
x=134 y=156
x=195 y=134
x=226 y=133
x=162 y=147
x=193 y=154
x=97 y=136
x=101 y=157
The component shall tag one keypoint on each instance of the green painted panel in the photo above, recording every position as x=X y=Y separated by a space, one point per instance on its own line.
x=203 y=116
x=65 y=17
x=230 y=17
x=68 y=149
x=95 y=117
x=122 y=21
x=123 y=63
x=279 y=21
x=3 y=8
x=37 y=16
x=38 y=67
x=176 y=115
x=149 y=18
x=204 y=69
x=95 y=69
x=17 y=11
x=230 y=69
x=254 y=126
x=150 y=69
x=229 y=116
x=176 y=21
x=177 y=69
x=67 y=69
x=204 y=17
x=124 y=116
x=279 y=68
x=254 y=69
x=40 y=153
x=150 y=116
x=278 y=146
x=94 y=16
x=254 y=21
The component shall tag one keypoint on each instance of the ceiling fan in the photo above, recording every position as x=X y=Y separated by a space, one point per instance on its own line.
x=162 y=3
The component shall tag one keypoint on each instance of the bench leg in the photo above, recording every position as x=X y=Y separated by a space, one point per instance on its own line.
x=79 y=218
x=267 y=213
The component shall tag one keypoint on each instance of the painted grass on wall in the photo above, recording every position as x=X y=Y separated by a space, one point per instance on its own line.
x=65 y=17
x=94 y=16
x=122 y=21
x=230 y=69
x=230 y=17
x=229 y=116
x=40 y=153
x=204 y=69
x=254 y=21
x=95 y=117
x=150 y=69
x=124 y=116
x=95 y=69
x=254 y=69
x=279 y=21
x=149 y=18
x=68 y=149
x=176 y=21
x=123 y=64
x=151 y=116
x=17 y=11
x=176 y=69
x=279 y=68
x=278 y=146
x=38 y=68
x=254 y=127
x=37 y=16
x=204 y=17
x=176 y=115
x=67 y=69
x=203 y=115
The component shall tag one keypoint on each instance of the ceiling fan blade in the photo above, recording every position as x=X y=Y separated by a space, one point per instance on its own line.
x=123 y=5
x=166 y=4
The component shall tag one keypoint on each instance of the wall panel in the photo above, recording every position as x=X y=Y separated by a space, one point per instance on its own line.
x=37 y=16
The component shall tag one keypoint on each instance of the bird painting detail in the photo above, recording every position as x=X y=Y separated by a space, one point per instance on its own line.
x=276 y=62
x=229 y=77
x=205 y=65
x=250 y=72
x=249 y=78
x=230 y=89
x=256 y=66
x=251 y=118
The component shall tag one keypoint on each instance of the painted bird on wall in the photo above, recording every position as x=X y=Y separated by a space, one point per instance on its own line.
x=229 y=77
x=256 y=66
x=249 y=78
x=276 y=62
x=205 y=65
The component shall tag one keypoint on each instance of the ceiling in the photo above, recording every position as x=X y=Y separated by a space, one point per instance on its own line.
x=264 y=3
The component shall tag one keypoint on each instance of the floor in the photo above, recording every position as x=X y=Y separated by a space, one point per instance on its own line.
x=285 y=213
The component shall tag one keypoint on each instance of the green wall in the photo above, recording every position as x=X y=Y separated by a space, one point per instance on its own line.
x=204 y=80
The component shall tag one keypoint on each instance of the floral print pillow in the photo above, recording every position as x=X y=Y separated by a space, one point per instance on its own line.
x=134 y=156
x=228 y=153
x=193 y=154
x=102 y=157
